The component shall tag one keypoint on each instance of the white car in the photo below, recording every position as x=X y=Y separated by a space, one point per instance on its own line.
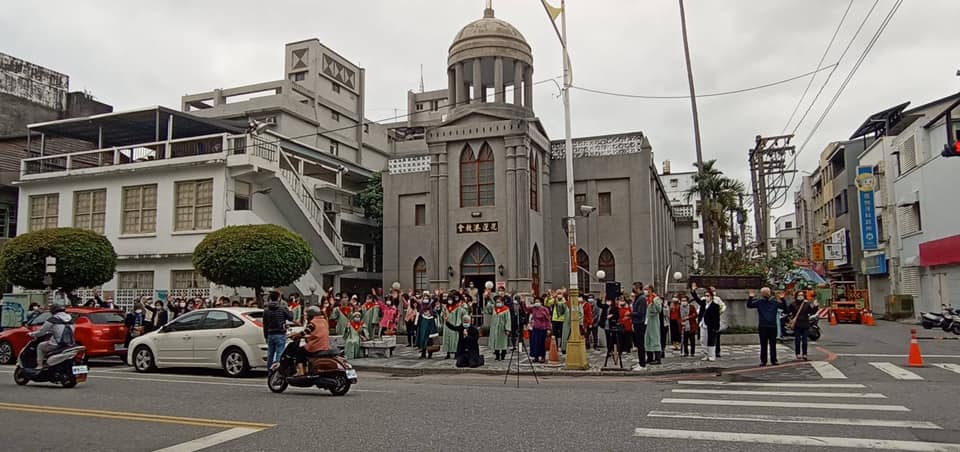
x=227 y=338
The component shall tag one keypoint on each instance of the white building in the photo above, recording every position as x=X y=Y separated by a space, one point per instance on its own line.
x=155 y=181
x=677 y=185
x=917 y=218
x=787 y=232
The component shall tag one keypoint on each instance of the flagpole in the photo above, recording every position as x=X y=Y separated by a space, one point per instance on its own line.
x=576 y=349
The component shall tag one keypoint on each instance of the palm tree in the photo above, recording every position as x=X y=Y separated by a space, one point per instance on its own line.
x=718 y=196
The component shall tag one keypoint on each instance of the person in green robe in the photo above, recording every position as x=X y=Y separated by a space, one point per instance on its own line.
x=341 y=315
x=371 y=317
x=568 y=320
x=500 y=327
x=353 y=336
x=651 y=338
x=426 y=325
x=453 y=313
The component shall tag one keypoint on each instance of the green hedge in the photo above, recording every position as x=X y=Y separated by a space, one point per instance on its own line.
x=84 y=258
x=253 y=256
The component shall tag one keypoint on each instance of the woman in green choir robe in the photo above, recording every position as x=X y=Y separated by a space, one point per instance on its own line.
x=453 y=313
x=500 y=327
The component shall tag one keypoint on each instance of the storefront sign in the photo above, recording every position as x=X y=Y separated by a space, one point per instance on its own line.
x=485 y=226
x=866 y=185
x=818 y=255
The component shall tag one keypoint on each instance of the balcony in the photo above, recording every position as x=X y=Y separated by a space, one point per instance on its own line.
x=160 y=153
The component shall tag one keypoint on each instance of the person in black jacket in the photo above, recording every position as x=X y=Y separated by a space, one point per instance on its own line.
x=801 y=309
x=638 y=317
x=275 y=319
x=468 y=348
x=160 y=315
x=767 y=315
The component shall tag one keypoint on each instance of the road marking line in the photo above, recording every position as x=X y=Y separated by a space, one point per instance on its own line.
x=841 y=395
x=98 y=375
x=949 y=366
x=772 y=385
x=880 y=355
x=796 y=440
x=132 y=416
x=896 y=371
x=827 y=371
x=777 y=404
x=210 y=441
x=796 y=419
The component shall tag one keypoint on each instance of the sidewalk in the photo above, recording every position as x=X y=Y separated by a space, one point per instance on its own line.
x=406 y=361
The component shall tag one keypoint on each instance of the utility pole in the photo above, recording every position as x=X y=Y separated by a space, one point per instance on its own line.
x=708 y=237
x=743 y=224
x=767 y=176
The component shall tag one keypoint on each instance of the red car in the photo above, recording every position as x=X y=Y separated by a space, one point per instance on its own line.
x=101 y=331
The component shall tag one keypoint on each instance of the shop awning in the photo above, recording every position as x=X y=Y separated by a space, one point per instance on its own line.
x=944 y=251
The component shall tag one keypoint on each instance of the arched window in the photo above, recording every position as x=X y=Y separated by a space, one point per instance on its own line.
x=535 y=270
x=608 y=264
x=583 y=273
x=420 y=280
x=534 y=181
x=477 y=261
x=477 y=177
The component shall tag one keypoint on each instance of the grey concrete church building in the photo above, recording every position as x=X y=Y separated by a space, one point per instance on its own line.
x=475 y=190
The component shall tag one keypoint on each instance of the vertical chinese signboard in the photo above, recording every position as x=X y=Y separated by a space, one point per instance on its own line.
x=866 y=185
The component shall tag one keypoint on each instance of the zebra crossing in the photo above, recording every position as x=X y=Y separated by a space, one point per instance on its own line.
x=761 y=415
x=829 y=371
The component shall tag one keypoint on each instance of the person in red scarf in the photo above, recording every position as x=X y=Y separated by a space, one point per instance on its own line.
x=354 y=335
x=675 y=333
x=340 y=317
x=626 y=325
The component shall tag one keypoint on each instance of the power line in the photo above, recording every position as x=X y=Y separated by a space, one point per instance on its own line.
x=723 y=93
x=819 y=65
x=846 y=81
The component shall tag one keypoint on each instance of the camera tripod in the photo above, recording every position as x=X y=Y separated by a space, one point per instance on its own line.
x=519 y=356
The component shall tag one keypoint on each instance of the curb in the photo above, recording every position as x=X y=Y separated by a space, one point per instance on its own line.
x=555 y=372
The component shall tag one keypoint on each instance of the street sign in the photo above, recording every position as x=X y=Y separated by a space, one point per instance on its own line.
x=869 y=229
x=818 y=255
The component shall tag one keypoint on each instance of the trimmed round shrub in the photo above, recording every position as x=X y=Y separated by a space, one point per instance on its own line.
x=253 y=256
x=84 y=259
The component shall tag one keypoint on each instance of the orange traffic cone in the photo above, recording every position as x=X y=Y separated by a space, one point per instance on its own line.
x=833 y=318
x=554 y=358
x=915 y=359
x=871 y=320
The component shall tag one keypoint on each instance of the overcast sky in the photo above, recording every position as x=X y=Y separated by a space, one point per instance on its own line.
x=138 y=53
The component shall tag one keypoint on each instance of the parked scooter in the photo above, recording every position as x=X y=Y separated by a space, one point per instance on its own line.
x=325 y=370
x=813 y=334
x=930 y=320
x=64 y=366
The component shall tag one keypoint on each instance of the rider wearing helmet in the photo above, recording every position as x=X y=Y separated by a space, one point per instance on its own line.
x=57 y=328
x=317 y=333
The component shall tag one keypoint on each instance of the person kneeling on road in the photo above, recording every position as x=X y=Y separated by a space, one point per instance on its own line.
x=317 y=334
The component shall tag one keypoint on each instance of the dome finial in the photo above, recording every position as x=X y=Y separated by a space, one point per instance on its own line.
x=488 y=12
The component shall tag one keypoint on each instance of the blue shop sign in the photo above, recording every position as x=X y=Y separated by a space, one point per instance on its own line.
x=869 y=230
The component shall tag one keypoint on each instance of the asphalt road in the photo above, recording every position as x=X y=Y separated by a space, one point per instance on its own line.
x=117 y=409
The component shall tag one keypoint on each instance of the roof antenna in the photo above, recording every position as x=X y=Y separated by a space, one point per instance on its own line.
x=421 y=77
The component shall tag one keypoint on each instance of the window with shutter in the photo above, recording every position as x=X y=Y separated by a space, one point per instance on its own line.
x=908 y=219
x=910 y=281
x=908 y=155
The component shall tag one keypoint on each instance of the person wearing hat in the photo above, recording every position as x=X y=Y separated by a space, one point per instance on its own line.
x=59 y=327
x=317 y=334
x=353 y=336
x=453 y=314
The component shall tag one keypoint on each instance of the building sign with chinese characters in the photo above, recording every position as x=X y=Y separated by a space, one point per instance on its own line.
x=869 y=229
x=483 y=226
x=627 y=143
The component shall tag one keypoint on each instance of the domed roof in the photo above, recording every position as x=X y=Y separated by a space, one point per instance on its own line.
x=489 y=36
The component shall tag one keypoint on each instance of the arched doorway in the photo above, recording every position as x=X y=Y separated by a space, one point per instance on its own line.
x=420 y=280
x=608 y=264
x=583 y=273
x=478 y=266
x=535 y=270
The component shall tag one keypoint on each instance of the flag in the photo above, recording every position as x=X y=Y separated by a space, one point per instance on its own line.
x=554 y=12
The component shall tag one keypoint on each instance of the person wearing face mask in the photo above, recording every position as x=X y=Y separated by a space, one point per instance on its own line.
x=159 y=315
x=135 y=322
x=427 y=329
x=540 y=321
x=688 y=325
x=371 y=317
x=500 y=327
x=388 y=321
x=453 y=314
x=675 y=333
x=468 y=347
x=353 y=336
x=638 y=317
x=801 y=309
x=626 y=333
x=652 y=341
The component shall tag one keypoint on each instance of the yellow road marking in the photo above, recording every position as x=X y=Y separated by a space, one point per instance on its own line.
x=216 y=423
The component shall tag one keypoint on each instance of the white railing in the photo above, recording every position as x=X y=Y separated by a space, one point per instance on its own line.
x=312 y=207
x=124 y=155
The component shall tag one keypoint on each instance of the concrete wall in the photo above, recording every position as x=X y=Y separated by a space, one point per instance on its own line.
x=17 y=112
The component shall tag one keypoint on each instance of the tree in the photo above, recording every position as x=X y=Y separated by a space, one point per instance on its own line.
x=718 y=195
x=84 y=259
x=371 y=199
x=254 y=256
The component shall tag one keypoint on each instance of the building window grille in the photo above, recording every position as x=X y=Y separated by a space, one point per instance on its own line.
x=43 y=211
x=188 y=279
x=89 y=209
x=477 y=177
